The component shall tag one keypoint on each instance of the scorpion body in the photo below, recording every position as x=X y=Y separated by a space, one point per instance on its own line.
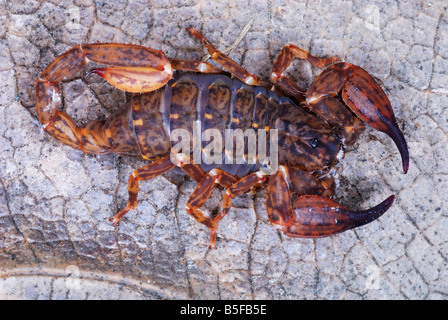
x=218 y=102
x=299 y=194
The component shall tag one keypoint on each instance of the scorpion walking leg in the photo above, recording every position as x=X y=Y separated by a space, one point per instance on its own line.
x=283 y=61
x=201 y=194
x=229 y=64
x=194 y=66
x=236 y=189
x=147 y=172
x=235 y=42
x=313 y=216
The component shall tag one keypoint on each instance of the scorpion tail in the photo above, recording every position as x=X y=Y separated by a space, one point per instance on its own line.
x=314 y=216
x=134 y=68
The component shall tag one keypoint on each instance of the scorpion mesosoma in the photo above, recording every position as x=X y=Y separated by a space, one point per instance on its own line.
x=311 y=130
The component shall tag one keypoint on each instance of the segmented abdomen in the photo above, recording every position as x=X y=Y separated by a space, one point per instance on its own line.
x=211 y=101
x=145 y=128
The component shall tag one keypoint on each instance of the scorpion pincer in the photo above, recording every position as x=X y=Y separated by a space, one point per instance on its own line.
x=313 y=126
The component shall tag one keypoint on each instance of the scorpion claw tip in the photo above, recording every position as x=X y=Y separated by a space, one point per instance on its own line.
x=363 y=217
x=397 y=136
x=405 y=165
x=98 y=71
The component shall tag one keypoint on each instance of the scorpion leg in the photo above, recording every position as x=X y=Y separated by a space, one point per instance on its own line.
x=283 y=61
x=229 y=64
x=147 y=172
x=194 y=66
x=201 y=194
x=239 y=187
x=313 y=216
x=362 y=95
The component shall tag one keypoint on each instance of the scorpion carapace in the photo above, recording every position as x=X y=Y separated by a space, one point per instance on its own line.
x=310 y=136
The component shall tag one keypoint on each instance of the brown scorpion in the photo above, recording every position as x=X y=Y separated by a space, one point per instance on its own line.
x=313 y=127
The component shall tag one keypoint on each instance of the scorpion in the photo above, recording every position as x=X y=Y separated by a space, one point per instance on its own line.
x=313 y=127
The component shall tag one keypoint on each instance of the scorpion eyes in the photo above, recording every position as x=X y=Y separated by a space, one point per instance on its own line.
x=314 y=142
